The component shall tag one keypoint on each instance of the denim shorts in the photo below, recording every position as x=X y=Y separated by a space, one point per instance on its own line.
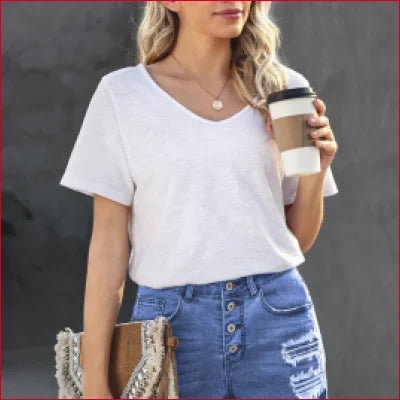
x=255 y=336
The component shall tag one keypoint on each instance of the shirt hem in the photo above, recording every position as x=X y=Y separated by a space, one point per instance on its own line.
x=157 y=285
x=90 y=188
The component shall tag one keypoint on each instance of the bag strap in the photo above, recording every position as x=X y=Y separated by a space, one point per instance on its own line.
x=173 y=342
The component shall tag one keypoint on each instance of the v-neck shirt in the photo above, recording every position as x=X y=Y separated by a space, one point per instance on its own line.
x=207 y=197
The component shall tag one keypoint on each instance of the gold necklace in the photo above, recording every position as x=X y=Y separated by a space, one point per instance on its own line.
x=217 y=104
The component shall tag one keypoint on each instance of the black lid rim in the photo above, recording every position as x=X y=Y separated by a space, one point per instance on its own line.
x=286 y=94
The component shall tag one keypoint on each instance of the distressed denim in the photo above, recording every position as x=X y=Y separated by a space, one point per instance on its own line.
x=256 y=336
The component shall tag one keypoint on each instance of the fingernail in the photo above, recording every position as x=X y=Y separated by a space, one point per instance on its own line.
x=312 y=119
x=314 y=133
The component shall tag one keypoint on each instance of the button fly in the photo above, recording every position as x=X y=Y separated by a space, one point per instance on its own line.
x=233 y=348
x=232 y=307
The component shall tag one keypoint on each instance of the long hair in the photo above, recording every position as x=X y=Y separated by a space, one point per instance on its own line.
x=255 y=67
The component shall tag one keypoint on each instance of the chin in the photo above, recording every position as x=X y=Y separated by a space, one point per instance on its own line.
x=230 y=33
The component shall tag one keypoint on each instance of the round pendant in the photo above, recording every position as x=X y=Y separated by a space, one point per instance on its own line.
x=217 y=105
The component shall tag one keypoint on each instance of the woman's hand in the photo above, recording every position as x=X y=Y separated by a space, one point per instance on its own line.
x=323 y=136
x=97 y=393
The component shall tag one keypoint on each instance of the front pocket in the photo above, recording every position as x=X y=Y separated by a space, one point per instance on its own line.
x=286 y=294
x=149 y=307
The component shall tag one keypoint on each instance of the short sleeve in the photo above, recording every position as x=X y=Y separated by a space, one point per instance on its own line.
x=295 y=78
x=98 y=162
x=290 y=184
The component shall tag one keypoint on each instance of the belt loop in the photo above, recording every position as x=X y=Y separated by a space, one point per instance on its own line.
x=188 y=291
x=251 y=285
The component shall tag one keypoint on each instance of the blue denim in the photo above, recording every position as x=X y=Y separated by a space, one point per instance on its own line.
x=256 y=336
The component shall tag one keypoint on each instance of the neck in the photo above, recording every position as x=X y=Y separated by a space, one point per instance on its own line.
x=205 y=57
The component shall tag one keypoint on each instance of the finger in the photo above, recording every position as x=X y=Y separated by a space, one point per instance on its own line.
x=329 y=146
x=323 y=133
x=318 y=121
x=319 y=105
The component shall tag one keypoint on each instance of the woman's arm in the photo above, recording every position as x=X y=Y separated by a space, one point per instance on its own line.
x=304 y=216
x=105 y=280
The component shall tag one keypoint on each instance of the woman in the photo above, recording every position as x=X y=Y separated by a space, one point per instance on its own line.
x=179 y=155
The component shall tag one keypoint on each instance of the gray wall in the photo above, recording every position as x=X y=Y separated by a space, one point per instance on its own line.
x=53 y=56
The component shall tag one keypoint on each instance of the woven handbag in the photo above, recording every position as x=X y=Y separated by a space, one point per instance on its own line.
x=142 y=361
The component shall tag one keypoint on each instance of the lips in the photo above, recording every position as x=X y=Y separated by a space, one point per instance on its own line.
x=230 y=11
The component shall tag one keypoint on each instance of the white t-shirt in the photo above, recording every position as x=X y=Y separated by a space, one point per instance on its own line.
x=207 y=196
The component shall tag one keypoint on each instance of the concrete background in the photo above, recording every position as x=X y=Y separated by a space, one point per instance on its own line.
x=53 y=56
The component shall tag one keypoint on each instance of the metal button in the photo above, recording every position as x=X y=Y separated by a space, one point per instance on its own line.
x=231 y=306
x=233 y=348
x=231 y=327
x=229 y=286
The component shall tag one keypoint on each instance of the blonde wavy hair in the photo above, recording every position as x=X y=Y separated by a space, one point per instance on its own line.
x=256 y=68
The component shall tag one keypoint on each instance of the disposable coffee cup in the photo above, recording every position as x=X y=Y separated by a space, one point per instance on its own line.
x=290 y=110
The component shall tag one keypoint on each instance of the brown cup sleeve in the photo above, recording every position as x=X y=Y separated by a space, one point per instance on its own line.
x=293 y=131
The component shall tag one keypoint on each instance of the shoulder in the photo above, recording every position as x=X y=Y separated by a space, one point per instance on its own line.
x=295 y=78
x=122 y=79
